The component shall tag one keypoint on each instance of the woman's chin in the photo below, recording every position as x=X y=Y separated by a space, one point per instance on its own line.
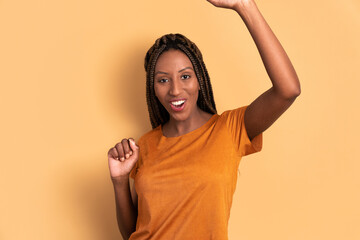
x=178 y=117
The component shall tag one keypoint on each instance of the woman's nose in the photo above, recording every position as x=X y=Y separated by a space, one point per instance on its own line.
x=175 y=88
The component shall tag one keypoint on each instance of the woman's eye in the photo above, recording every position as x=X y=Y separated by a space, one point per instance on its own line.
x=162 y=80
x=187 y=76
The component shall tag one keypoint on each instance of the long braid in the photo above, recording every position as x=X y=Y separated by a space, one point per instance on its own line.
x=158 y=114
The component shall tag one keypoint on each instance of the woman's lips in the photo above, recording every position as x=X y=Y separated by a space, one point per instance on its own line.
x=178 y=109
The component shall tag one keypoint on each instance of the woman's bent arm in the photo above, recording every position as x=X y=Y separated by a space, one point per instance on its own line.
x=270 y=105
x=126 y=212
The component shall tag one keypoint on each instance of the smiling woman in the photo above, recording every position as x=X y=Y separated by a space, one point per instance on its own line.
x=177 y=88
x=175 y=68
x=185 y=168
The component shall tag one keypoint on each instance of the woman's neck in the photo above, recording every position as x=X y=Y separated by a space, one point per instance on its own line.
x=174 y=128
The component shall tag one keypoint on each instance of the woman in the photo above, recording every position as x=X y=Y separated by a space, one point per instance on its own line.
x=185 y=168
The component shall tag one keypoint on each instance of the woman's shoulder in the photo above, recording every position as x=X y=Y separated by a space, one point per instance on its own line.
x=237 y=110
x=231 y=116
x=149 y=134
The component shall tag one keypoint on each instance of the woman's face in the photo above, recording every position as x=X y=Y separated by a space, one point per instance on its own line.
x=176 y=85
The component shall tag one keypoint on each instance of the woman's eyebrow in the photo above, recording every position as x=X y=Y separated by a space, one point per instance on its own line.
x=179 y=71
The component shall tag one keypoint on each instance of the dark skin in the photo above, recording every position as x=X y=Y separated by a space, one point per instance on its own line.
x=270 y=105
x=259 y=115
x=175 y=78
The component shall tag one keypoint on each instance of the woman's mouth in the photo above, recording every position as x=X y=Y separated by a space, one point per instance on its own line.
x=178 y=105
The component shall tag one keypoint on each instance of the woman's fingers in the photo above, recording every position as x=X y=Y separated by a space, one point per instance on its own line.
x=134 y=147
x=113 y=153
x=120 y=150
x=122 y=158
x=126 y=147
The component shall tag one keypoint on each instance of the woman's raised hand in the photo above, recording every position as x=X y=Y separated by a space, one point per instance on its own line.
x=231 y=4
x=122 y=158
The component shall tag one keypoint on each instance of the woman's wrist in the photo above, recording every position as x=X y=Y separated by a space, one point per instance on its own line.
x=248 y=12
x=244 y=8
x=120 y=179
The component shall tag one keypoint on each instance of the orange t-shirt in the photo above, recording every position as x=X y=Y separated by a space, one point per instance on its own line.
x=185 y=184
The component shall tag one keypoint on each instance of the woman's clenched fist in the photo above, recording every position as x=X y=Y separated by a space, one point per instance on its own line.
x=122 y=158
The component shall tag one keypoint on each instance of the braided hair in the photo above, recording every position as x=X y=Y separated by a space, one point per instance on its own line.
x=158 y=114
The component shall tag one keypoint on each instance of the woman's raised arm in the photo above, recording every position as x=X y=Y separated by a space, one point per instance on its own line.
x=269 y=106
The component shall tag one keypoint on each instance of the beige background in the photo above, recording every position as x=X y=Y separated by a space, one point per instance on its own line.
x=73 y=85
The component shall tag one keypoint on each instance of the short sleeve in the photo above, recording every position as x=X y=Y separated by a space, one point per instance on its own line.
x=236 y=125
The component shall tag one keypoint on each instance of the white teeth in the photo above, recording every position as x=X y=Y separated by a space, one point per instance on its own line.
x=176 y=103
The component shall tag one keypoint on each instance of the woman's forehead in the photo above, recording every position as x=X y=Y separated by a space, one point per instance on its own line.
x=172 y=59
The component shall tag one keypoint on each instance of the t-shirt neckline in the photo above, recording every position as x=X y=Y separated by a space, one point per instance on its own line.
x=210 y=121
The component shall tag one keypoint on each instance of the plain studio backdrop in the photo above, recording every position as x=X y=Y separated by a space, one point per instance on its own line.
x=73 y=85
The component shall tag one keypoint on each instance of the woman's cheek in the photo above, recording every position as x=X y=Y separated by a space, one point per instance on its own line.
x=160 y=95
